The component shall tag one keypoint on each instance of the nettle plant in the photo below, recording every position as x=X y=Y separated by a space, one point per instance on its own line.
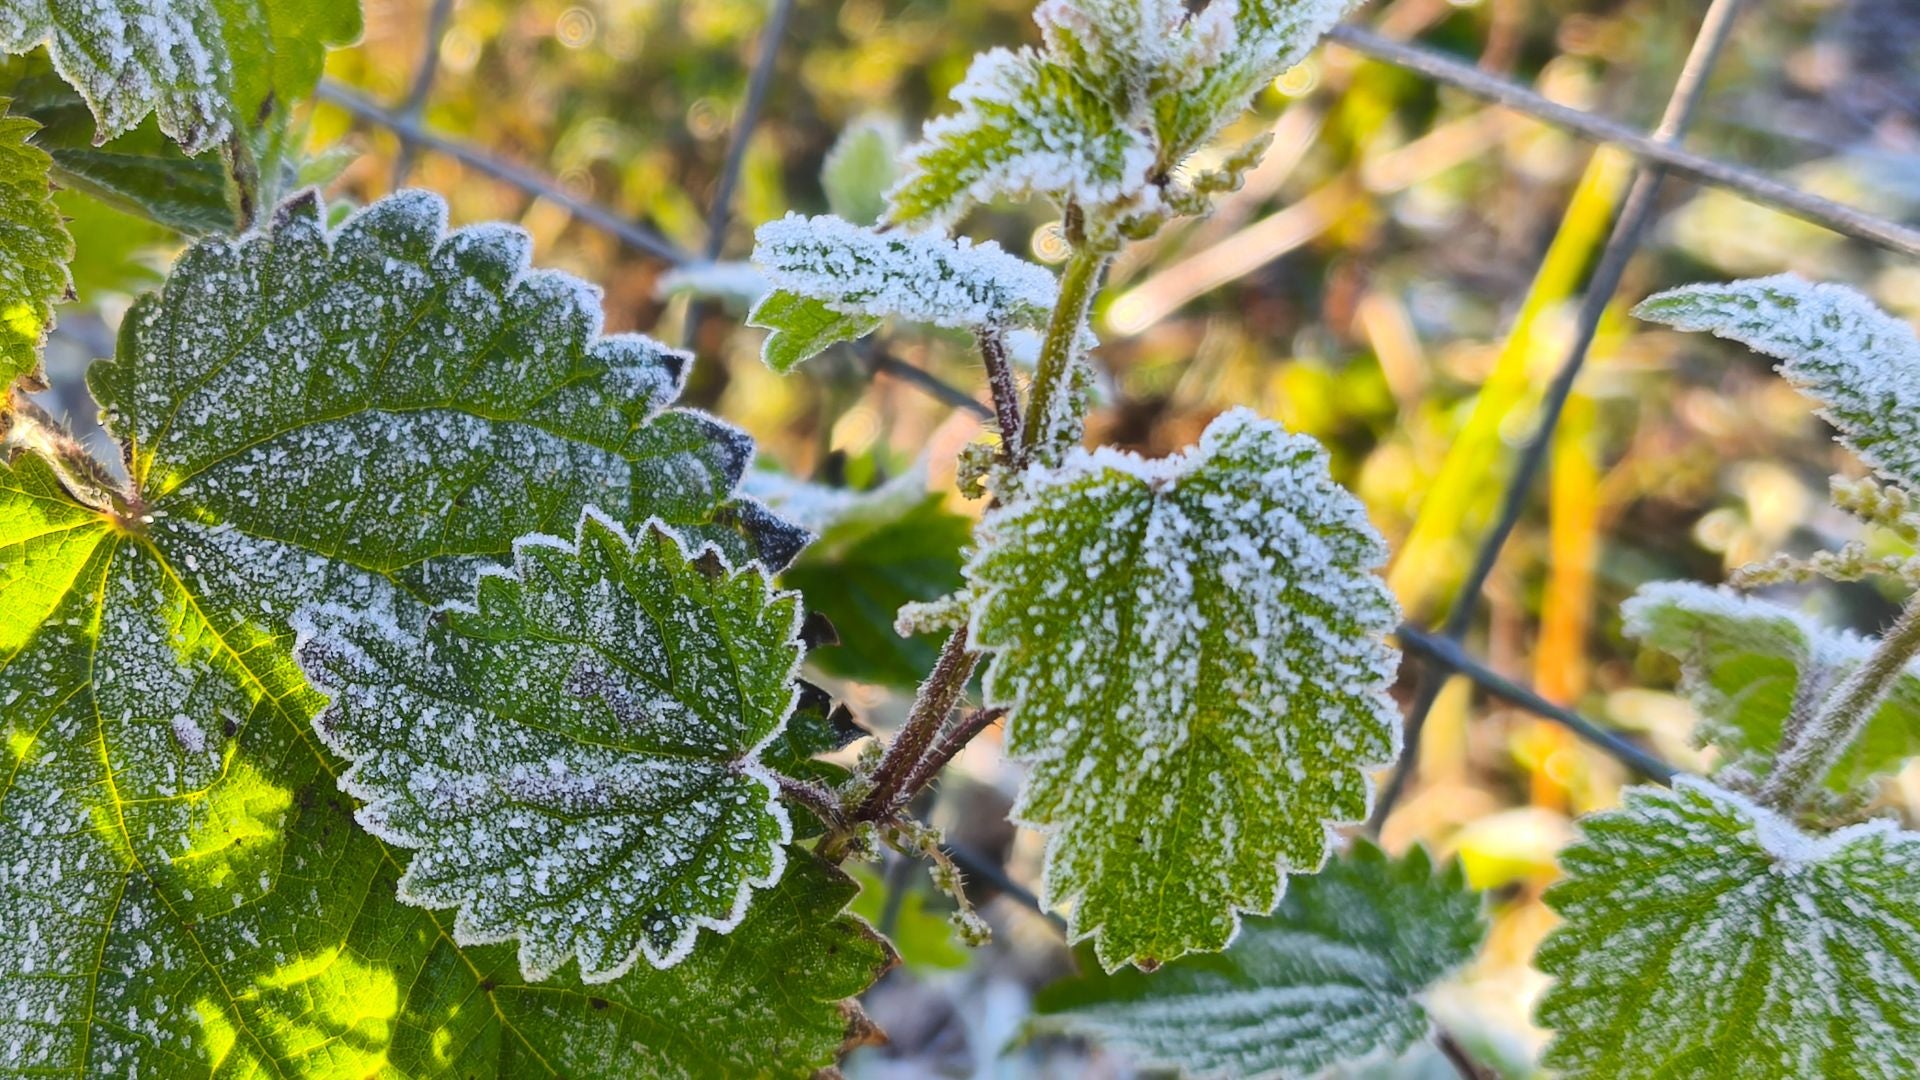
x=421 y=692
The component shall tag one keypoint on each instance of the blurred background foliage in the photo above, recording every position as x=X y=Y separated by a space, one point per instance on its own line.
x=1397 y=279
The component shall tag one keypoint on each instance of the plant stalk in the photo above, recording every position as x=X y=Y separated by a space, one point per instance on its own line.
x=929 y=714
x=1813 y=747
x=1078 y=282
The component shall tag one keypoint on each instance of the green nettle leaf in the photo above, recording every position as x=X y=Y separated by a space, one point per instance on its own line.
x=575 y=760
x=1707 y=936
x=1745 y=663
x=803 y=328
x=1235 y=49
x=205 y=69
x=365 y=417
x=1859 y=363
x=34 y=252
x=1192 y=652
x=1333 y=975
x=876 y=551
x=1026 y=127
x=836 y=280
x=860 y=168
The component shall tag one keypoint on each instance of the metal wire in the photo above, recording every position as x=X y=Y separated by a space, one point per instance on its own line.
x=1629 y=228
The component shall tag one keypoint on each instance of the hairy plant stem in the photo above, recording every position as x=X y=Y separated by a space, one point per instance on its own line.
x=1051 y=378
x=1812 y=746
x=1457 y=1056
x=913 y=759
x=1005 y=388
x=929 y=714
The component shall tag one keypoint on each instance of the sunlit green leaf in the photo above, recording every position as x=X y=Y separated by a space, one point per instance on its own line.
x=862 y=165
x=1192 y=652
x=803 y=328
x=365 y=417
x=34 y=251
x=1708 y=937
x=1334 y=975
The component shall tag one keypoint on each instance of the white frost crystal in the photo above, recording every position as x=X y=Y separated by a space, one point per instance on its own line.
x=1192 y=653
x=922 y=277
x=575 y=761
x=1709 y=938
x=1859 y=363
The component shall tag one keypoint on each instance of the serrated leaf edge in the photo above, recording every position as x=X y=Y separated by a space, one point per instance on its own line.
x=305 y=630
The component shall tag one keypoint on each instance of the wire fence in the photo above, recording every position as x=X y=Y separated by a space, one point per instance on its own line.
x=1442 y=653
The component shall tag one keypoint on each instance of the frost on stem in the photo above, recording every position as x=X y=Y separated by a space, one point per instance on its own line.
x=1706 y=937
x=1859 y=363
x=575 y=760
x=1332 y=977
x=829 y=272
x=1191 y=652
x=1751 y=669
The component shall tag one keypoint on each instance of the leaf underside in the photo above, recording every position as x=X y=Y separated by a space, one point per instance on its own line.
x=1191 y=650
x=575 y=759
x=1745 y=662
x=1860 y=364
x=365 y=417
x=1332 y=976
x=1706 y=936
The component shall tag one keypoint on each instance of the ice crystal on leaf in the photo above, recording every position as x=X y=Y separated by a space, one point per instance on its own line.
x=1026 y=127
x=1333 y=976
x=827 y=270
x=34 y=251
x=204 y=68
x=363 y=417
x=1192 y=652
x=1101 y=117
x=1747 y=665
x=575 y=760
x=1859 y=363
x=1707 y=936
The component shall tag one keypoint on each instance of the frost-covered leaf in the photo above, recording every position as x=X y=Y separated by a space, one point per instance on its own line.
x=1745 y=662
x=1334 y=975
x=1026 y=127
x=875 y=551
x=1231 y=50
x=1706 y=936
x=835 y=280
x=1192 y=651
x=1859 y=363
x=803 y=328
x=862 y=165
x=352 y=417
x=206 y=69
x=34 y=251
x=575 y=759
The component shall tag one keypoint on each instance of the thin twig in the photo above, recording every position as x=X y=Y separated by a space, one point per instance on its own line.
x=1628 y=228
x=1457 y=1056
x=423 y=76
x=1444 y=652
x=952 y=739
x=933 y=385
x=513 y=175
x=720 y=210
x=1839 y=217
